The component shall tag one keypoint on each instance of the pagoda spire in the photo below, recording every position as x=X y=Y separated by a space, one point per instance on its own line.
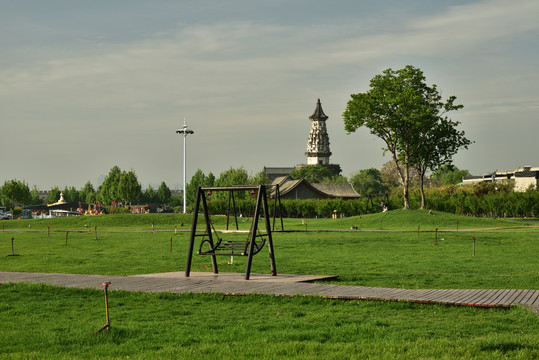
x=318 y=113
x=318 y=152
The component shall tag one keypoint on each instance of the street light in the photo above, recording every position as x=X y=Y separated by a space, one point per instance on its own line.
x=184 y=131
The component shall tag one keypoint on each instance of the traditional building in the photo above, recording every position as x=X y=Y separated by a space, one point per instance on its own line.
x=318 y=151
x=302 y=189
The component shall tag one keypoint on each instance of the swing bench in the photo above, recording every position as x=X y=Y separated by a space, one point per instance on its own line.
x=231 y=247
x=214 y=245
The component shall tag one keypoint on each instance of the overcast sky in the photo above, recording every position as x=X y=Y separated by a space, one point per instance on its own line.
x=86 y=85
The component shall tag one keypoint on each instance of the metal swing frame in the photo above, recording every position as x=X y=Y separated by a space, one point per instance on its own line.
x=261 y=208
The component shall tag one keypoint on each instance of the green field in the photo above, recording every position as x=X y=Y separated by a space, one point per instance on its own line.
x=47 y=322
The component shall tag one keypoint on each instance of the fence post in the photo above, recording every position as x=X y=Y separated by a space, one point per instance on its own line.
x=473 y=252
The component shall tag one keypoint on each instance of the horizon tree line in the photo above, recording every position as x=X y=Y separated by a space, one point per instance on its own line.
x=123 y=187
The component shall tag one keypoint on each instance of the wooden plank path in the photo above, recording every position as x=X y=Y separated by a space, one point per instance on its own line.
x=282 y=285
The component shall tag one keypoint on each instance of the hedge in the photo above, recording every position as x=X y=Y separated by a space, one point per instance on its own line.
x=462 y=201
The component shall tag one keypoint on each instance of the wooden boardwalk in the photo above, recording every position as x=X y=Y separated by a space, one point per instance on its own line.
x=282 y=285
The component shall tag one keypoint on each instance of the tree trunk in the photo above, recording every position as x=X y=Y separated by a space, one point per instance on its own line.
x=406 y=194
x=421 y=190
x=405 y=178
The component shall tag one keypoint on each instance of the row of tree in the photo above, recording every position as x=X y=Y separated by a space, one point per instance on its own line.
x=119 y=187
x=123 y=187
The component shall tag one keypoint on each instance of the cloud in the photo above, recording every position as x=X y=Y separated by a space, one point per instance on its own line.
x=239 y=78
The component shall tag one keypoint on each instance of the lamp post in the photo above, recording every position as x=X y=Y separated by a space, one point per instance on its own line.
x=184 y=131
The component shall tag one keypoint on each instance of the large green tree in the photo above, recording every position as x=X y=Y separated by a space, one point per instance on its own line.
x=403 y=111
x=119 y=186
x=34 y=197
x=438 y=141
x=449 y=174
x=129 y=188
x=163 y=193
x=198 y=179
x=71 y=194
x=259 y=178
x=109 y=190
x=53 y=195
x=149 y=196
x=14 y=192
x=87 y=193
x=233 y=177
x=368 y=182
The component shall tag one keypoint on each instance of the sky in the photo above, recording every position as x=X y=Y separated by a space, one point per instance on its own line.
x=87 y=85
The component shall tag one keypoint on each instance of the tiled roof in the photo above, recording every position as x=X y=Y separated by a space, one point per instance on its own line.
x=287 y=184
x=337 y=190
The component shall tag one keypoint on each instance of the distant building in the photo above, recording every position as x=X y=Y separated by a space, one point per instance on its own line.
x=302 y=189
x=523 y=178
x=318 y=151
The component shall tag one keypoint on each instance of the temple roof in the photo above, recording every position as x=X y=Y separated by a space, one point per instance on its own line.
x=328 y=191
x=318 y=113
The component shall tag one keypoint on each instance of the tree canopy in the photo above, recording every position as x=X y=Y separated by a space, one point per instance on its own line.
x=119 y=186
x=409 y=116
x=129 y=188
x=53 y=195
x=163 y=193
x=449 y=174
x=87 y=193
x=368 y=181
x=313 y=173
x=14 y=192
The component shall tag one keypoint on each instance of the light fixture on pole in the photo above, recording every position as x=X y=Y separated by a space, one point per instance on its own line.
x=184 y=131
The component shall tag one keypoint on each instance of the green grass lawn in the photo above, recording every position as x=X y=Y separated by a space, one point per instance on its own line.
x=47 y=322
x=391 y=220
x=504 y=259
x=51 y=323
